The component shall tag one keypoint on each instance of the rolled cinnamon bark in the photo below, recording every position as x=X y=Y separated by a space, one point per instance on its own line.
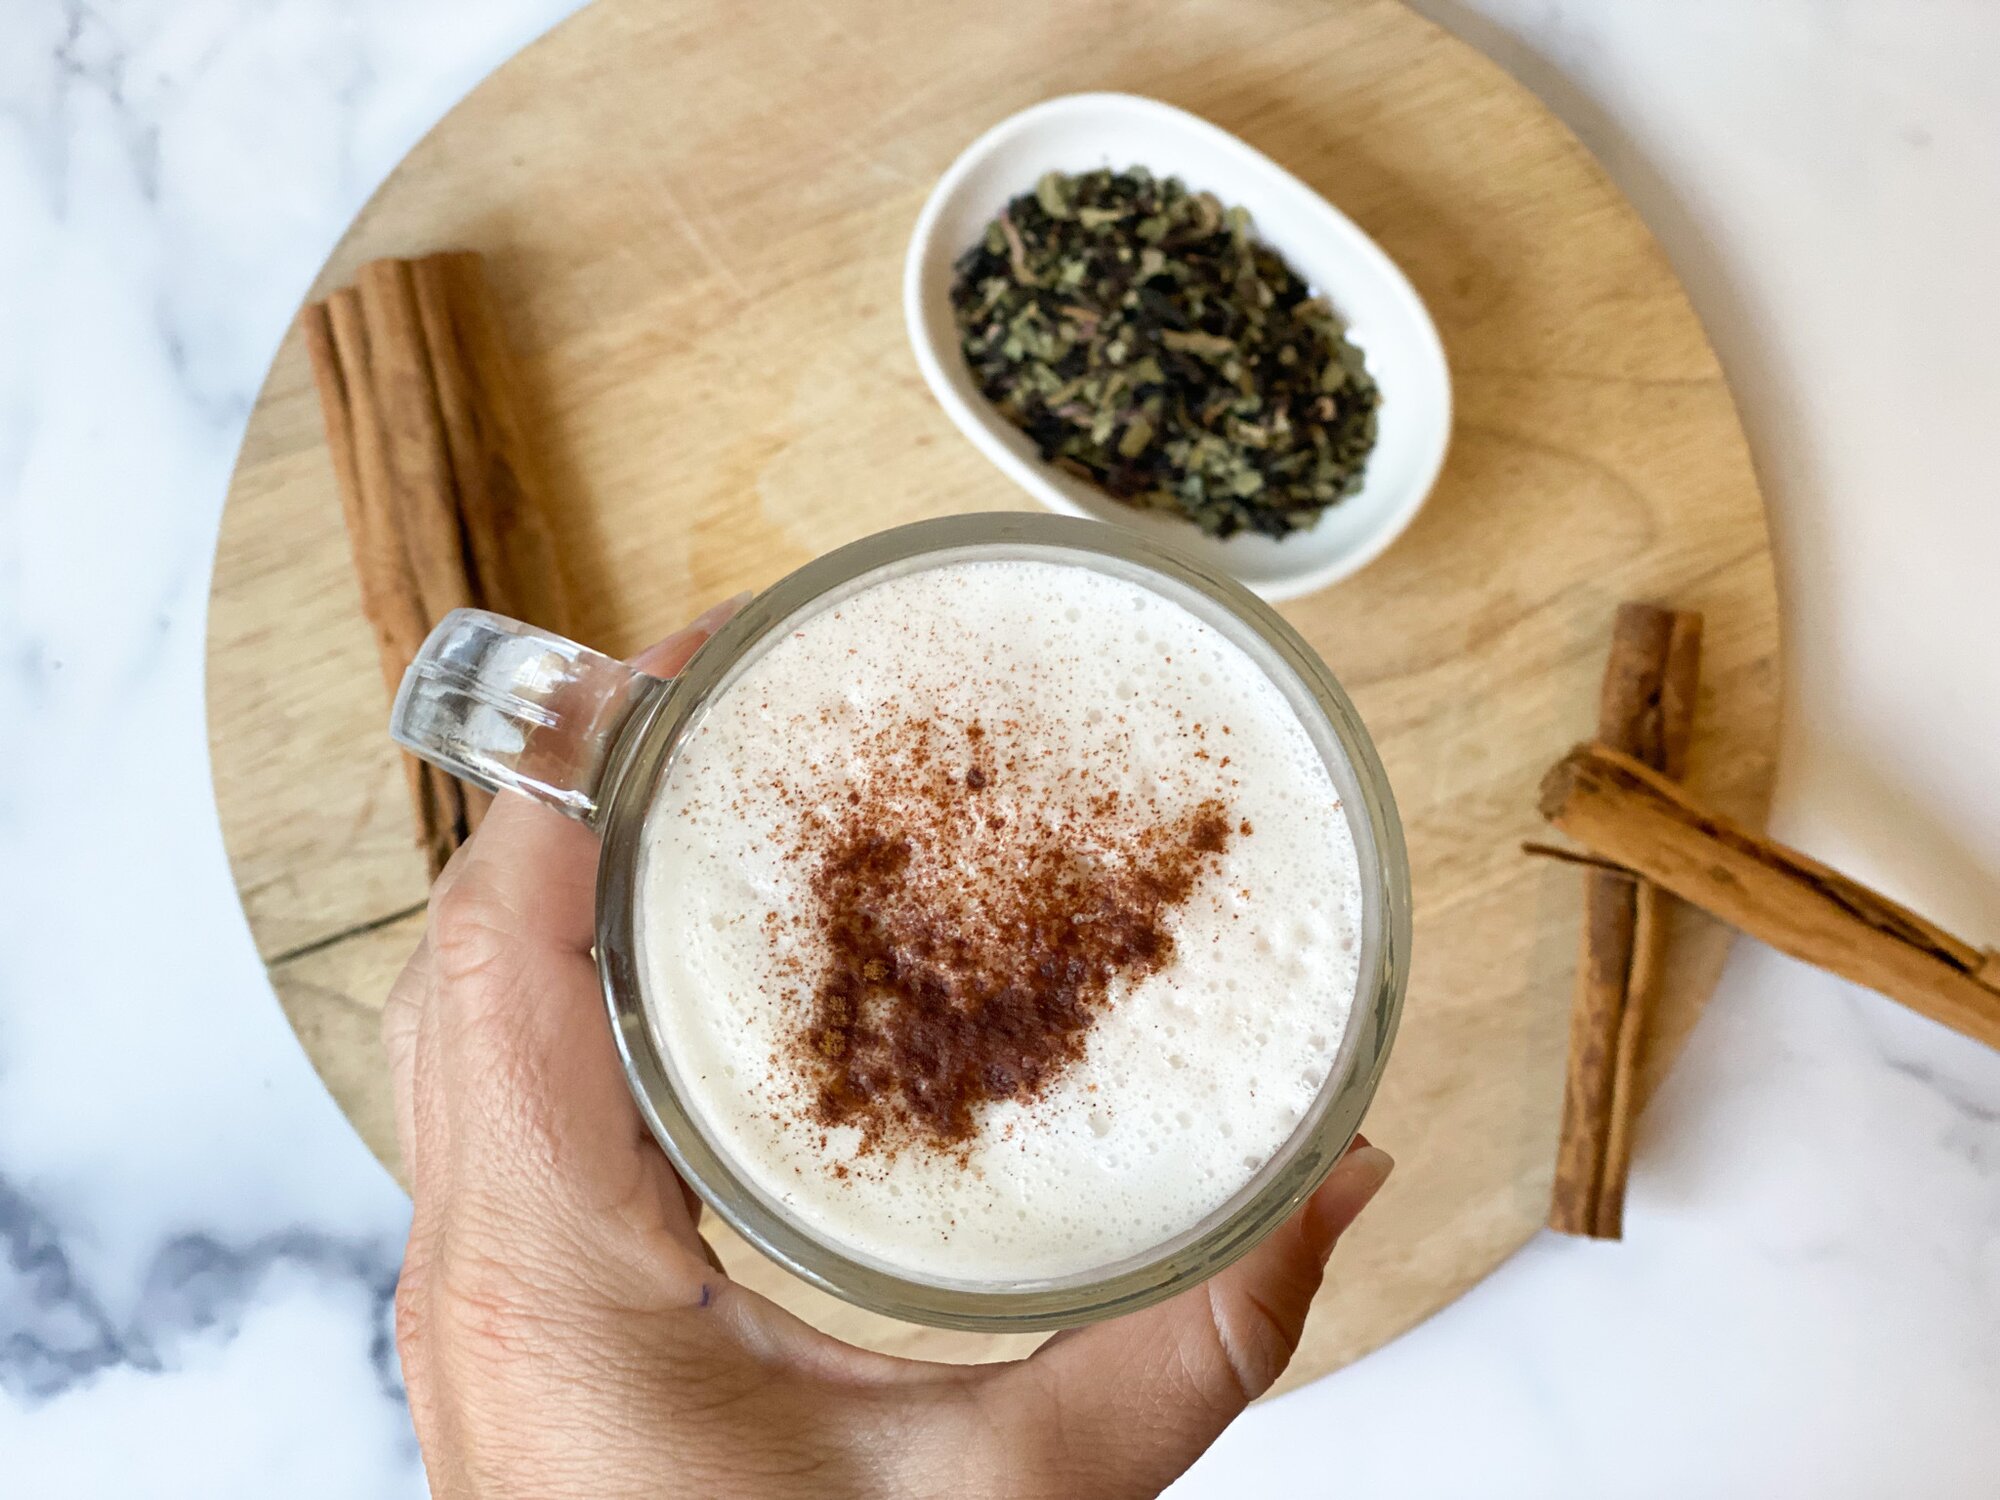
x=1669 y=733
x=1646 y=707
x=510 y=541
x=442 y=503
x=1629 y=814
x=339 y=343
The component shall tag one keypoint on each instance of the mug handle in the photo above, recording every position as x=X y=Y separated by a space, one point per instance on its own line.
x=518 y=709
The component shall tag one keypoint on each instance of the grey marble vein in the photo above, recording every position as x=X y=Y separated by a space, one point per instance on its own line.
x=60 y=1332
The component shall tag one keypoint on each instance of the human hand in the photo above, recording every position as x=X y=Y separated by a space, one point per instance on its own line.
x=566 y=1332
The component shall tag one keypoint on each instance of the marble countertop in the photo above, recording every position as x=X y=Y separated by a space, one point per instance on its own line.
x=199 y=1256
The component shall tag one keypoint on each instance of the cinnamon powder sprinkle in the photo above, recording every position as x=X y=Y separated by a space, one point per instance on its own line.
x=965 y=957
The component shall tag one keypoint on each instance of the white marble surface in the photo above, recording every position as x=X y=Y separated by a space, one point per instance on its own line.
x=198 y=1255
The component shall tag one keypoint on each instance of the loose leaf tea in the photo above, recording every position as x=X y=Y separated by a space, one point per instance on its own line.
x=1147 y=341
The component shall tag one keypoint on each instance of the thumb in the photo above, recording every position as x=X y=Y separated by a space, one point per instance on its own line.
x=1138 y=1399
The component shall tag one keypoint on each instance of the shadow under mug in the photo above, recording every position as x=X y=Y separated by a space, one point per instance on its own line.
x=514 y=708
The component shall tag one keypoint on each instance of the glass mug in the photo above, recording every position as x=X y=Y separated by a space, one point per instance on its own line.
x=519 y=709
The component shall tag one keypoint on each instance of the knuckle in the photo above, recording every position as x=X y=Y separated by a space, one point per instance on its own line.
x=398 y=1023
x=1250 y=1343
x=487 y=1308
x=412 y=1318
x=412 y=1301
x=470 y=928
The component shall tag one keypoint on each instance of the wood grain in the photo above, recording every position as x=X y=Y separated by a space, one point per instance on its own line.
x=694 y=217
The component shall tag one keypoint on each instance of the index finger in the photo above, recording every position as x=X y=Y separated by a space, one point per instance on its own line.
x=511 y=992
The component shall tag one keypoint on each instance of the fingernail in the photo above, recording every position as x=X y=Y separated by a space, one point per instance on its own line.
x=711 y=618
x=1345 y=1193
x=1371 y=1164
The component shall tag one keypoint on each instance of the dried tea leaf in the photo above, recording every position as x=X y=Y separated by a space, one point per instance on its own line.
x=1146 y=340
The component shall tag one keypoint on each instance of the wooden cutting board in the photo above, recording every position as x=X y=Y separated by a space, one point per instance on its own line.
x=694 y=215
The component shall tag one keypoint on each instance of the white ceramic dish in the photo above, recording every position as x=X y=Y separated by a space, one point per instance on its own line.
x=1080 y=132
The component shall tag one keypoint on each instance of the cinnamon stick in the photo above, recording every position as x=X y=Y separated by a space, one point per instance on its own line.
x=517 y=569
x=340 y=343
x=1628 y=813
x=1646 y=707
x=1670 y=727
x=442 y=504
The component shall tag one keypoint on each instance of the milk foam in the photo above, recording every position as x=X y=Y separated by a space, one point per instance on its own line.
x=1196 y=1076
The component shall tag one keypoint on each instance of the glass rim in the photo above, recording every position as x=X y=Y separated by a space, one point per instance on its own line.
x=643 y=755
